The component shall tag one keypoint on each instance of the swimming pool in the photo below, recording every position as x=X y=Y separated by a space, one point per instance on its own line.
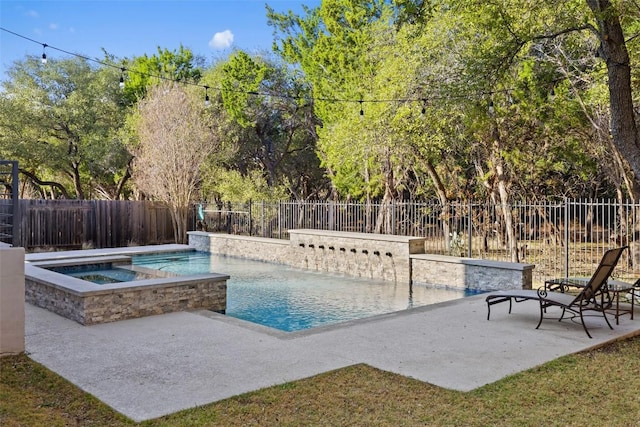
x=290 y=300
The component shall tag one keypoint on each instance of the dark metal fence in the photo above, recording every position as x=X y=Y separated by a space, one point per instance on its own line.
x=9 y=206
x=562 y=238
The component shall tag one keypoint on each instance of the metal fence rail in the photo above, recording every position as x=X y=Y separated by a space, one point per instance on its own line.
x=562 y=238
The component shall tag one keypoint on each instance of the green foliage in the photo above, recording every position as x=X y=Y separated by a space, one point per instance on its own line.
x=423 y=72
x=244 y=78
x=268 y=101
x=232 y=186
x=180 y=65
x=60 y=122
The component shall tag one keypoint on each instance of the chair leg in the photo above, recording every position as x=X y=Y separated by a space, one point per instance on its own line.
x=585 y=326
x=542 y=310
x=562 y=316
x=604 y=314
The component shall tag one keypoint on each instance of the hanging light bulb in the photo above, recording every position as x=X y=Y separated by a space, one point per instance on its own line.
x=44 y=55
x=121 y=84
x=491 y=109
x=552 y=94
x=424 y=106
x=361 y=110
x=206 y=96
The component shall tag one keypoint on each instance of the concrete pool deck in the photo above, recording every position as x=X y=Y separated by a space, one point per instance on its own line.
x=153 y=366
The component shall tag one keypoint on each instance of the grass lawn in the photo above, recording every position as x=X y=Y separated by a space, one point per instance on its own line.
x=598 y=387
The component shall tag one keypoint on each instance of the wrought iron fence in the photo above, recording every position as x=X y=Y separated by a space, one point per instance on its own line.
x=9 y=206
x=562 y=238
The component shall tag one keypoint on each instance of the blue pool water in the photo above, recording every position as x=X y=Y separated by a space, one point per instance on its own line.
x=98 y=274
x=289 y=299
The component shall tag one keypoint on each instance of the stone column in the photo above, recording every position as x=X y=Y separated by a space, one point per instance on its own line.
x=11 y=300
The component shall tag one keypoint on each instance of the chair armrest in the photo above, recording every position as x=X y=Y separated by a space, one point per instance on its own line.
x=565 y=284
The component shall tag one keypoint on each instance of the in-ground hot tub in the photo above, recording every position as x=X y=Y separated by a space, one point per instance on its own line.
x=108 y=288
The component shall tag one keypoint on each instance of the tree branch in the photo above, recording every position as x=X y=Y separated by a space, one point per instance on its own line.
x=41 y=183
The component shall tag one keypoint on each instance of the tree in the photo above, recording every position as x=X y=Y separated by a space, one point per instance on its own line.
x=613 y=50
x=60 y=120
x=331 y=46
x=277 y=136
x=144 y=71
x=176 y=137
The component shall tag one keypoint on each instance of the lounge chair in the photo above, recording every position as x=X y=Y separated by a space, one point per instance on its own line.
x=593 y=294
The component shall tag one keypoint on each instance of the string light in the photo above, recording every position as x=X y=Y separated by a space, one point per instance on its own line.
x=424 y=106
x=491 y=109
x=308 y=99
x=206 y=96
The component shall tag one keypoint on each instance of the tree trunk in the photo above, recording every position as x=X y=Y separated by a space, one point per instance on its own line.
x=613 y=50
x=77 y=183
x=503 y=194
x=506 y=212
x=179 y=216
x=123 y=181
x=444 y=201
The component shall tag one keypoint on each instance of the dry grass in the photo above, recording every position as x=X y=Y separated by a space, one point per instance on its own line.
x=599 y=387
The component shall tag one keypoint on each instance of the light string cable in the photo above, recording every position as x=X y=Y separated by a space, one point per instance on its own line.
x=423 y=101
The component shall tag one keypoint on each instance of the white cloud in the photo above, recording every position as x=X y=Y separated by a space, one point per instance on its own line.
x=221 y=40
x=53 y=26
x=32 y=14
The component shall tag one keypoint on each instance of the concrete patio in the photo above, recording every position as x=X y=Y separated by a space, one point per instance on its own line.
x=149 y=367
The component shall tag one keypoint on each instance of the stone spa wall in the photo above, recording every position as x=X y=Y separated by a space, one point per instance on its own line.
x=88 y=303
x=375 y=256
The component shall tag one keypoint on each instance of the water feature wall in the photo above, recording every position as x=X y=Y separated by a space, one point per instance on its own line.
x=372 y=256
x=376 y=256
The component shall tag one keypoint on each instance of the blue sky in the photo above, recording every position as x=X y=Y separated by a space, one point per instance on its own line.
x=127 y=28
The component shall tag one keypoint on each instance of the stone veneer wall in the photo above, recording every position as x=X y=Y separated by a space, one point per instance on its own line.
x=471 y=273
x=371 y=256
x=255 y=248
x=374 y=256
x=93 y=307
x=366 y=255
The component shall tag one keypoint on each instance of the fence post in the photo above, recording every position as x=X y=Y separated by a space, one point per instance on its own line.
x=393 y=217
x=262 y=218
x=15 y=201
x=279 y=219
x=250 y=219
x=470 y=228
x=566 y=237
x=331 y=215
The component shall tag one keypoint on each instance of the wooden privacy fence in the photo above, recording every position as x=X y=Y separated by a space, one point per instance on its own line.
x=73 y=224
